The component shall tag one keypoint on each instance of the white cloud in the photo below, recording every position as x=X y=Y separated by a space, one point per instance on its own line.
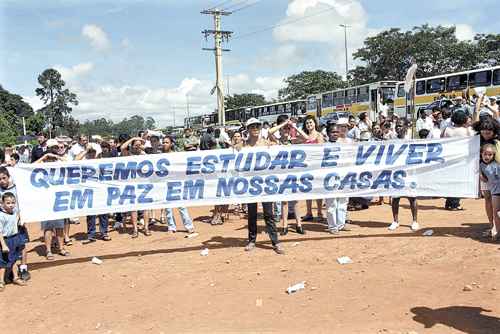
x=464 y=32
x=117 y=102
x=125 y=43
x=72 y=73
x=317 y=21
x=283 y=56
x=96 y=36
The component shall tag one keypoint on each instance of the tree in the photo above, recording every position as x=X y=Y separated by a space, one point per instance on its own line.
x=244 y=100
x=56 y=98
x=436 y=50
x=299 y=86
x=12 y=110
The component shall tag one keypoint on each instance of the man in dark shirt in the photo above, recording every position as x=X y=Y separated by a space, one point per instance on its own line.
x=40 y=149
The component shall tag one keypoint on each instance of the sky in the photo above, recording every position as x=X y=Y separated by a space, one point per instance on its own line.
x=144 y=57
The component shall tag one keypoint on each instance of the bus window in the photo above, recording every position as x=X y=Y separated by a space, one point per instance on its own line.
x=496 y=77
x=351 y=96
x=363 y=95
x=435 y=85
x=480 y=79
x=420 y=88
x=456 y=82
x=388 y=94
x=401 y=90
x=312 y=105
x=338 y=98
x=327 y=100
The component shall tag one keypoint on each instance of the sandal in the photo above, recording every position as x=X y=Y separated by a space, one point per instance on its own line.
x=49 y=256
x=19 y=282
x=135 y=235
x=63 y=252
x=147 y=233
x=68 y=242
x=106 y=238
x=2 y=286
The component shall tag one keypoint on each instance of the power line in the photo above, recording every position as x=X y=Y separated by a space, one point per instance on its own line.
x=246 y=6
x=220 y=4
x=282 y=24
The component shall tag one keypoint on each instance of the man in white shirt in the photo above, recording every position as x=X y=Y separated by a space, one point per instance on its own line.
x=78 y=148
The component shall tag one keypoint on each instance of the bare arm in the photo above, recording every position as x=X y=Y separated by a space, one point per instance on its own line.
x=477 y=108
x=46 y=156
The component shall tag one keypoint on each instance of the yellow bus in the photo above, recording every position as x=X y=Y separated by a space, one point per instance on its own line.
x=357 y=99
x=427 y=90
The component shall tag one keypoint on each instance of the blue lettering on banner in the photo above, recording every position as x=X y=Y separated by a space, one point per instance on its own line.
x=193 y=189
x=124 y=172
x=330 y=159
x=38 y=178
x=193 y=165
x=173 y=191
x=78 y=199
x=143 y=197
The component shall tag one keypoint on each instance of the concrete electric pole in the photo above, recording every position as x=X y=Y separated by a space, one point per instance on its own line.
x=345 y=26
x=219 y=37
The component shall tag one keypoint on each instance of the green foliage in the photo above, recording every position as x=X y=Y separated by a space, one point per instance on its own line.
x=244 y=100
x=436 y=50
x=301 y=85
x=12 y=109
x=56 y=98
x=105 y=127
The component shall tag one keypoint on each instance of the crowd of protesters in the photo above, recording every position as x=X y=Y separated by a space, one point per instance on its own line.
x=452 y=118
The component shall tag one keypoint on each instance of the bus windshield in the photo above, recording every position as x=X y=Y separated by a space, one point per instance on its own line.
x=388 y=93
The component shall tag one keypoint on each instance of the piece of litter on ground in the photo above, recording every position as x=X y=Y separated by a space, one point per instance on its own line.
x=314 y=288
x=204 y=252
x=428 y=233
x=96 y=260
x=191 y=235
x=295 y=244
x=344 y=260
x=467 y=288
x=258 y=302
x=296 y=287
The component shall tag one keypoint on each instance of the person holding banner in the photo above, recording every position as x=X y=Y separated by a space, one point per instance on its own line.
x=134 y=146
x=280 y=134
x=401 y=130
x=89 y=154
x=168 y=146
x=310 y=135
x=253 y=127
x=52 y=228
x=336 y=208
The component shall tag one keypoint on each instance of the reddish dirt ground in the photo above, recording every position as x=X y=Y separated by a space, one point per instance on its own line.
x=399 y=282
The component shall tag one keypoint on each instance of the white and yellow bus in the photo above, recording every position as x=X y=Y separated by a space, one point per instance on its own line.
x=428 y=90
x=363 y=98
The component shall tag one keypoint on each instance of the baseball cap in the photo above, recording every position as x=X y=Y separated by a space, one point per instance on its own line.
x=253 y=120
x=343 y=121
x=52 y=142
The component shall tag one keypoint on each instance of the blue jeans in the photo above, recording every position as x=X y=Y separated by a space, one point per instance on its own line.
x=336 y=212
x=186 y=220
x=103 y=225
x=277 y=208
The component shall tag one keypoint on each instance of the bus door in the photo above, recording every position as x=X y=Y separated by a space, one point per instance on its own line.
x=374 y=100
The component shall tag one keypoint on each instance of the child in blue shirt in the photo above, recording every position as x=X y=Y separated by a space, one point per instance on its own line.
x=11 y=241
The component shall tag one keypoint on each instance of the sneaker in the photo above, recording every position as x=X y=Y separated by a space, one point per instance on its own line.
x=190 y=230
x=250 y=246
x=117 y=225
x=279 y=249
x=415 y=226
x=393 y=226
x=24 y=275
x=333 y=231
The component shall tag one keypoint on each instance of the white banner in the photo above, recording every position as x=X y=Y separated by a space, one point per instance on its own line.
x=441 y=168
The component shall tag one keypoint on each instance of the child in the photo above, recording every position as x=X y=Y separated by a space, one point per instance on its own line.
x=11 y=241
x=6 y=185
x=490 y=174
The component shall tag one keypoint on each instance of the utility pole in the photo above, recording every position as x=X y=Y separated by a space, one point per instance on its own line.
x=187 y=106
x=345 y=26
x=219 y=37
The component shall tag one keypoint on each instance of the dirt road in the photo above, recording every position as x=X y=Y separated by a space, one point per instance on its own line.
x=399 y=282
